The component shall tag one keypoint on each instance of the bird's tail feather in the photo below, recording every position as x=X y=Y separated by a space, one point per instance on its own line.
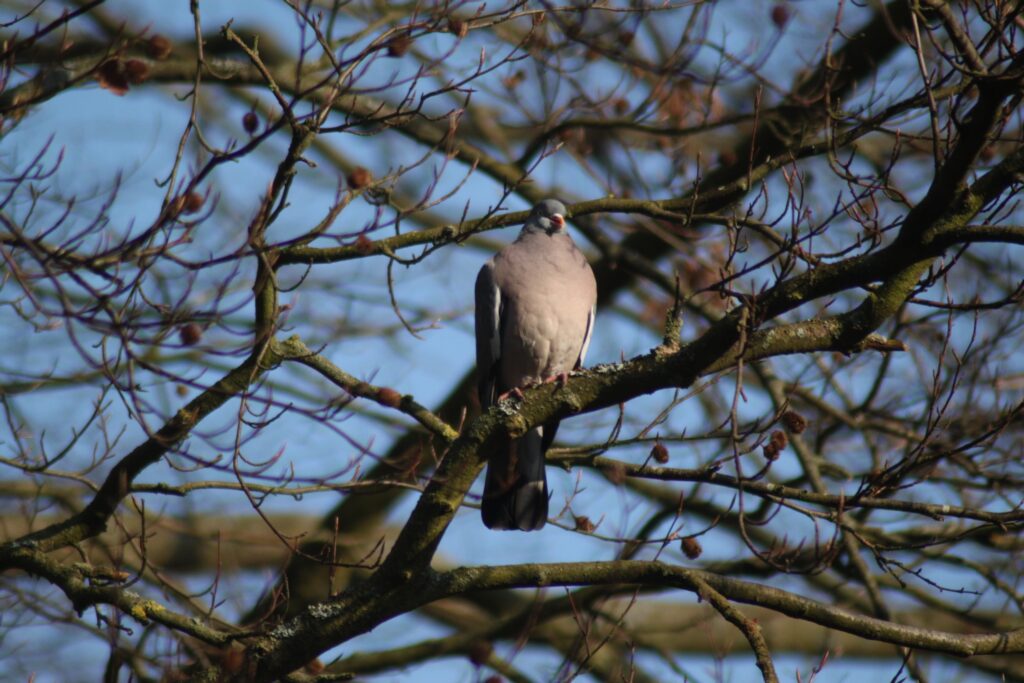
x=516 y=489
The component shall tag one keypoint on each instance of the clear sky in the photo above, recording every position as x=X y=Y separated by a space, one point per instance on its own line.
x=98 y=137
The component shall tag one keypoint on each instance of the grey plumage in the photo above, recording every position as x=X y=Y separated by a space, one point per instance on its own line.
x=534 y=316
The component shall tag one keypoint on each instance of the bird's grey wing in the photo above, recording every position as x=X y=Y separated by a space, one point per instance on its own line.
x=488 y=333
x=515 y=487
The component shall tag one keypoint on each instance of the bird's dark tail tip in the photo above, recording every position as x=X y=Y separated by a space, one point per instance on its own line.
x=522 y=507
x=516 y=490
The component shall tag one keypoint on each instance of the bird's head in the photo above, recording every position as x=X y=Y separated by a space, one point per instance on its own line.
x=547 y=216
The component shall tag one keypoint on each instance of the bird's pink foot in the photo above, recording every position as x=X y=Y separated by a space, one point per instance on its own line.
x=560 y=379
x=514 y=392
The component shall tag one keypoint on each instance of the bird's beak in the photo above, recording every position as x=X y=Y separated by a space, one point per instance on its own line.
x=558 y=220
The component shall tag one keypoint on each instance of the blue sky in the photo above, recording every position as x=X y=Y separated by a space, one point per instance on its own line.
x=100 y=136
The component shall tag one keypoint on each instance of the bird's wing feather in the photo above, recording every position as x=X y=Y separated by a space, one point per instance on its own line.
x=488 y=333
x=586 y=338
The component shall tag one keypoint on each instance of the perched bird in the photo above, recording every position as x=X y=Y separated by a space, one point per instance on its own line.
x=534 y=315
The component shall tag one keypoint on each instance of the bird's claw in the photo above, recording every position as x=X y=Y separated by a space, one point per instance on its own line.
x=517 y=392
x=560 y=379
x=514 y=392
